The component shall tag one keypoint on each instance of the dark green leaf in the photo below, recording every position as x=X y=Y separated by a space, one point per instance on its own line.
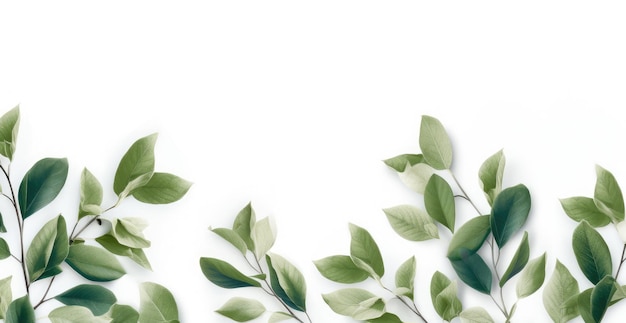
x=364 y=249
x=90 y=195
x=225 y=275
x=405 y=278
x=156 y=304
x=583 y=208
x=111 y=244
x=41 y=184
x=601 y=297
x=400 y=162
x=9 y=127
x=5 y=252
x=439 y=201
x=94 y=297
x=6 y=295
x=244 y=222
x=136 y=166
x=287 y=281
x=20 y=311
x=435 y=143
x=509 y=213
x=411 y=223
x=519 y=261
x=560 y=296
x=241 y=309
x=47 y=250
x=356 y=303
x=592 y=253
x=163 y=188
x=608 y=195
x=473 y=271
x=93 y=263
x=532 y=277
x=470 y=236
x=2 y=227
x=340 y=269
x=490 y=175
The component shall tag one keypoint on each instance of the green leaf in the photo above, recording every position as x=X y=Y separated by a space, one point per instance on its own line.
x=519 y=261
x=490 y=175
x=386 y=318
x=241 y=309
x=532 y=277
x=473 y=271
x=162 y=188
x=608 y=195
x=263 y=236
x=435 y=143
x=93 y=263
x=470 y=236
x=225 y=275
x=356 y=303
x=411 y=223
x=2 y=227
x=509 y=213
x=94 y=297
x=20 y=311
x=111 y=244
x=439 y=201
x=290 y=279
x=475 y=315
x=232 y=237
x=90 y=195
x=74 y=314
x=156 y=304
x=405 y=278
x=560 y=295
x=136 y=166
x=6 y=295
x=400 y=162
x=601 y=297
x=5 y=252
x=592 y=253
x=584 y=305
x=340 y=269
x=129 y=232
x=122 y=314
x=47 y=250
x=244 y=222
x=581 y=208
x=9 y=127
x=416 y=177
x=364 y=252
x=41 y=184
x=443 y=293
x=279 y=316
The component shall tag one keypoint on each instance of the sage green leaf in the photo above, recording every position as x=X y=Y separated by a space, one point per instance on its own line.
x=2 y=227
x=90 y=195
x=20 y=311
x=122 y=314
x=470 y=236
x=136 y=164
x=74 y=314
x=584 y=305
x=411 y=223
x=435 y=144
x=290 y=280
x=509 y=213
x=405 y=278
x=620 y=293
x=356 y=303
x=532 y=277
x=111 y=244
x=93 y=263
x=439 y=201
x=608 y=195
x=473 y=271
x=400 y=162
x=581 y=208
x=41 y=184
x=279 y=316
x=386 y=318
x=156 y=304
x=162 y=188
x=129 y=232
x=443 y=293
x=475 y=315
x=601 y=297
x=244 y=222
x=416 y=177
x=224 y=274
x=519 y=261
x=6 y=295
x=560 y=295
x=364 y=251
x=5 y=252
x=592 y=253
x=263 y=236
x=232 y=237
x=241 y=309
x=340 y=269
x=9 y=127
x=490 y=175
x=48 y=249
x=94 y=297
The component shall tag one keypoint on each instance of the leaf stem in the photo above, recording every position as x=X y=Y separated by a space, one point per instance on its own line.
x=465 y=196
x=622 y=260
x=43 y=298
x=92 y=220
x=413 y=309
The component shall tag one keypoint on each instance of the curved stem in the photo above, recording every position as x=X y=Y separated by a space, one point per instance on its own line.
x=465 y=196
x=43 y=298
x=622 y=260
x=412 y=309
x=92 y=220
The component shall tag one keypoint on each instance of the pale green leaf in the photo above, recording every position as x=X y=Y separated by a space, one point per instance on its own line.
x=111 y=244
x=6 y=295
x=439 y=201
x=263 y=235
x=356 y=303
x=122 y=314
x=47 y=250
x=244 y=223
x=405 y=278
x=364 y=251
x=129 y=232
x=9 y=127
x=156 y=304
x=74 y=314
x=94 y=297
x=592 y=253
x=560 y=295
x=232 y=237
x=224 y=274
x=443 y=294
x=93 y=263
x=340 y=269
x=415 y=177
x=401 y=162
x=581 y=208
x=20 y=311
x=584 y=305
x=470 y=236
x=490 y=175
x=519 y=261
x=162 y=188
x=90 y=195
x=241 y=309
x=435 y=144
x=475 y=315
x=279 y=317
x=509 y=213
x=608 y=196
x=532 y=277
x=411 y=223
x=291 y=281
x=41 y=184
x=137 y=163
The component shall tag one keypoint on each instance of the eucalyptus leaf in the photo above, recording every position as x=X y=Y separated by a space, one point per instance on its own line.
x=473 y=271
x=443 y=293
x=20 y=311
x=111 y=244
x=364 y=249
x=411 y=223
x=356 y=303
x=405 y=277
x=2 y=227
x=279 y=317
x=5 y=252
x=435 y=144
x=416 y=177
x=532 y=277
x=470 y=236
x=232 y=237
x=129 y=232
x=137 y=163
x=224 y=274
x=96 y=298
x=592 y=253
x=47 y=250
x=439 y=201
x=340 y=269
x=581 y=208
x=291 y=281
x=74 y=314
x=519 y=261
x=162 y=188
x=241 y=309
x=490 y=175
x=93 y=263
x=263 y=235
x=122 y=314
x=9 y=127
x=400 y=162
x=156 y=304
x=608 y=196
x=386 y=318
x=41 y=184
x=244 y=222
x=584 y=306
x=601 y=296
x=509 y=213
x=90 y=195
x=560 y=295
x=475 y=315
x=6 y=295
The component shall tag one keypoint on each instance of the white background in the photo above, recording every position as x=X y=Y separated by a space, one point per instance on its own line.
x=293 y=106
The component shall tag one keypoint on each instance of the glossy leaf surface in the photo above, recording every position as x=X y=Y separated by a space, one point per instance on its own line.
x=20 y=311
x=94 y=297
x=470 y=236
x=41 y=184
x=509 y=213
x=592 y=253
x=287 y=281
x=519 y=261
x=225 y=275
x=473 y=271
x=93 y=263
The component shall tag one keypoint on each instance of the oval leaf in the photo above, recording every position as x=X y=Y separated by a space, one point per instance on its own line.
x=509 y=213
x=136 y=164
x=6 y=295
x=405 y=277
x=411 y=223
x=581 y=208
x=519 y=261
x=232 y=237
x=94 y=297
x=123 y=314
x=356 y=303
x=592 y=252
x=416 y=177
x=137 y=255
x=475 y=315
x=443 y=293
x=560 y=295
x=473 y=271
x=340 y=269
x=41 y=184
x=225 y=275
x=365 y=250
x=5 y=252
x=93 y=263
x=490 y=175
x=435 y=144
x=9 y=127
x=241 y=309
x=162 y=188
x=74 y=314
x=279 y=316
x=401 y=162
x=47 y=250
x=532 y=277
x=290 y=279
x=20 y=311
x=90 y=195
x=439 y=201
x=156 y=304
x=608 y=195
x=244 y=222
x=386 y=318
x=601 y=296
x=263 y=235
x=470 y=236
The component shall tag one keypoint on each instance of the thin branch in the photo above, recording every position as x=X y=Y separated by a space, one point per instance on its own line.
x=622 y=260
x=458 y=184
x=43 y=298
x=412 y=309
